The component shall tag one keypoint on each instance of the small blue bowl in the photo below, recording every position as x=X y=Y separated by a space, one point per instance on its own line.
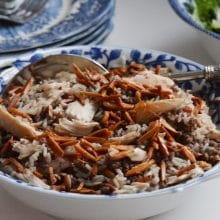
x=209 y=39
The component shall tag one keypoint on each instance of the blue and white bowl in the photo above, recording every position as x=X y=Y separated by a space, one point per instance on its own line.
x=128 y=206
x=209 y=40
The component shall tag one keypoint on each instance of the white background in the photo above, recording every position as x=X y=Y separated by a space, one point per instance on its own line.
x=147 y=24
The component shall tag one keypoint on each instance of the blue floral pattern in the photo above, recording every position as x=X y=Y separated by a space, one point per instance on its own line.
x=113 y=57
x=48 y=27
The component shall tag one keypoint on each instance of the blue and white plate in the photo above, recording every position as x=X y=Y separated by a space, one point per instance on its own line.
x=86 y=36
x=96 y=37
x=104 y=30
x=59 y=20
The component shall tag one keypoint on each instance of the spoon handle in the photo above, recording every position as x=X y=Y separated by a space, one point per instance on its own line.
x=211 y=72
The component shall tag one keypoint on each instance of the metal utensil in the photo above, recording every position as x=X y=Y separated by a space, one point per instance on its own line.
x=53 y=64
x=24 y=12
x=210 y=72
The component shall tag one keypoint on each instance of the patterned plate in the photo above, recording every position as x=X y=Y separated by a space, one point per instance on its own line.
x=86 y=36
x=95 y=36
x=59 y=20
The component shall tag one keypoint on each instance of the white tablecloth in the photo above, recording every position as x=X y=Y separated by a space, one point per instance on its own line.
x=147 y=24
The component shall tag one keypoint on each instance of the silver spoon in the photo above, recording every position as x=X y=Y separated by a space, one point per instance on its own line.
x=53 y=64
x=211 y=72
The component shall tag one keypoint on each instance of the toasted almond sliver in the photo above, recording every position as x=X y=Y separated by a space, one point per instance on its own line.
x=37 y=137
x=28 y=85
x=188 y=154
x=85 y=153
x=86 y=143
x=123 y=147
x=92 y=139
x=115 y=126
x=125 y=106
x=15 y=100
x=131 y=85
x=82 y=77
x=114 y=116
x=111 y=106
x=55 y=146
x=14 y=90
x=152 y=131
x=139 y=168
x=105 y=118
x=163 y=147
x=109 y=173
x=122 y=154
x=18 y=112
x=168 y=126
x=128 y=118
x=167 y=133
x=186 y=169
x=104 y=132
x=162 y=171
x=63 y=139
x=99 y=96
x=68 y=143
x=84 y=191
x=101 y=150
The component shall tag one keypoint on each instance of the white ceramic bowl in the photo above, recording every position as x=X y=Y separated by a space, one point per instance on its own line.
x=94 y=207
x=209 y=40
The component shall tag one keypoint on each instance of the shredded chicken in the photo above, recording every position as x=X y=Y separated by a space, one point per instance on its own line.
x=132 y=132
x=74 y=127
x=83 y=113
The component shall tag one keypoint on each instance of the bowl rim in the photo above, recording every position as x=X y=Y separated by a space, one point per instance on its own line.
x=178 y=8
x=168 y=190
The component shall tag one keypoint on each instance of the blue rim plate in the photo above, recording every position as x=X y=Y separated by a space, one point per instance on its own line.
x=180 y=7
x=94 y=37
x=59 y=20
x=113 y=57
x=80 y=38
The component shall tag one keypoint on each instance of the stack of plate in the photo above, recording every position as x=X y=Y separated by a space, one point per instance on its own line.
x=61 y=22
